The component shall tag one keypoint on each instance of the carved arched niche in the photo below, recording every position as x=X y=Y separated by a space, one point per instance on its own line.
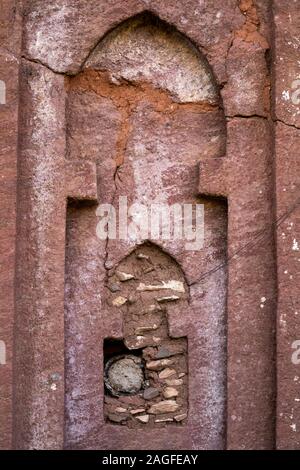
x=149 y=287
x=146 y=109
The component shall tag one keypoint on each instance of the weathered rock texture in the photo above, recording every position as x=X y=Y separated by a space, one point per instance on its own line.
x=162 y=102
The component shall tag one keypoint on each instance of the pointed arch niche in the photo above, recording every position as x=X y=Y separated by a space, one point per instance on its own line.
x=145 y=108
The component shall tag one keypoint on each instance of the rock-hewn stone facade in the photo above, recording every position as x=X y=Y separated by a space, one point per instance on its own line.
x=103 y=342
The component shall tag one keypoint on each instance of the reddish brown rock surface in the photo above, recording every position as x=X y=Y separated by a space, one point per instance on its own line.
x=169 y=102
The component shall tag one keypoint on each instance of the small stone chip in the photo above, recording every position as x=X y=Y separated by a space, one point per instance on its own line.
x=150 y=393
x=170 y=298
x=137 y=411
x=142 y=256
x=158 y=365
x=165 y=406
x=119 y=301
x=170 y=392
x=163 y=420
x=114 y=287
x=115 y=418
x=136 y=342
x=170 y=350
x=172 y=285
x=162 y=353
x=119 y=409
x=143 y=418
x=142 y=329
x=181 y=417
x=113 y=79
x=166 y=373
x=124 y=276
x=174 y=382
